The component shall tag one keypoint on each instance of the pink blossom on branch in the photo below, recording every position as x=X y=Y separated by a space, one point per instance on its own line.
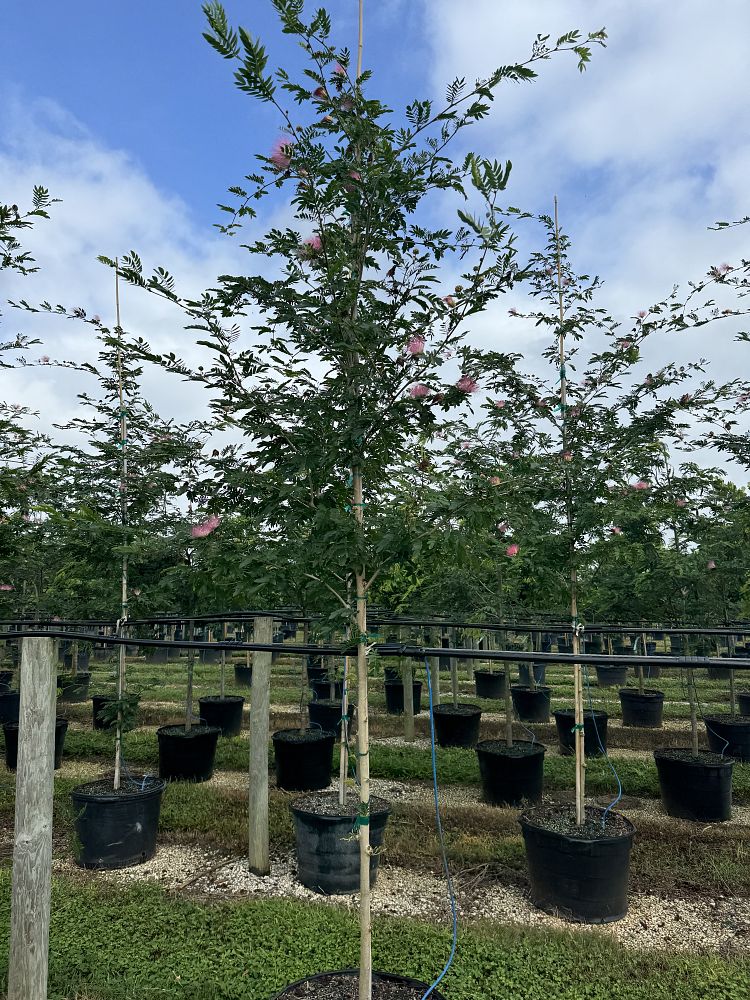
x=512 y=550
x=206 y=527
x=499 y=403
x=281 y=153
x=680 y=503
x=495 y=480
x=466 y=445
x=419 y=391
x=615 y=530
x=467 y=384
x=449 y=301
x=641 y=485
x=6 y=586
x=502 y=527
x=415 y=346
x=710 y=564
x=568 y=456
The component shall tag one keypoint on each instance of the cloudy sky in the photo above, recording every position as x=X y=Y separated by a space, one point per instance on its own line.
x=127 y=115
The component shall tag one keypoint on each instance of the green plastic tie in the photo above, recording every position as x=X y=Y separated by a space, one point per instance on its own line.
x=578 y=727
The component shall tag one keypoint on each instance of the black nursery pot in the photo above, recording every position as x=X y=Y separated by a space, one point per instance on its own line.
x=320 y=986
x=6 y=679
x=303 y=759
x=695 y=789
x=187 y=756
x=611 y=676
x=594 y=731
x=531 y=704
x=719 y=673
x=210 y=656
x=489 y=684
x=226 y=712
x=511 y=775
x=158 y=654
x=10 y=729
x=729 y=735
x=326 y=714
x=316 y=673
x=82 y=662
x=650 y=673
x=643 y=711
x=581 y=877
x=324 y=689
x=394 y=697
x=392 y=674
x=243 y=675
x=116 y=829
x=524 y=674
x=327 y=853
x=457 y=726
x=743 y=701
x=74 y=689
x=9 y=706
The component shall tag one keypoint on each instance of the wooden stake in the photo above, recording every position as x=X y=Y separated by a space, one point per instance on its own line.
x=190 y=674
x=344 y=749
x=454 y=669
x=258 y=853
x=407 y=678
x=123 y=425
x=32 y=851
x=693 y=713
x=222 y=687
x=434 y=640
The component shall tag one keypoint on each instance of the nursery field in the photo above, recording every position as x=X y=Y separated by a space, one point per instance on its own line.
x=193 y=922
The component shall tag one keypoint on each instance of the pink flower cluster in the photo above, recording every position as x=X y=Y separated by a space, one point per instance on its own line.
x=467 y=384
x=6 y=586
x=206 y=527
x=641 y=485
x=419 y=391
x=415 y=346
x=512 y=550
x=281 y=153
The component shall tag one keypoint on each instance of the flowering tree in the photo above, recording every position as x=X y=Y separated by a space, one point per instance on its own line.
x=348 y=367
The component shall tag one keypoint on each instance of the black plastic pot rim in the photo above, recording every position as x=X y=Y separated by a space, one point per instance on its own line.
x=155 y=787
x=724 y=720
x=536 y=746
x=450 y=709
x=597 y=713
x=387 y=976
x=314 y=734
x=198 y=729
x=527 y=823
x=539 y=688
x=214 y=698
x=298 y=809
x=635 y=693
x=721 y=761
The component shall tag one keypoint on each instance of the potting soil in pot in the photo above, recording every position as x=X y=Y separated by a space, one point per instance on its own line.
x=345 y=986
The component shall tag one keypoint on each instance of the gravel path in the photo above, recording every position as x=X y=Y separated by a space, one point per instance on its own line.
x=653 y=923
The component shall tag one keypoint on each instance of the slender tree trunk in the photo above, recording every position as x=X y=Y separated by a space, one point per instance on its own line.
x=641 y=689
x=222 y=687
x=732 y=693
x=508 y=697
x=74 y=658
x=124 y=604
x=693 y=713
x=344 y=750
x=454 y=669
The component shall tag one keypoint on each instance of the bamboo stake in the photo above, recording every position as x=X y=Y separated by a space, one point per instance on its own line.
x=454 y=669
x=577 y=675
x=344 y=751
x=434 y=639
x=641 y=689
x=190 y=672
x=693 y=713
x=121 y=650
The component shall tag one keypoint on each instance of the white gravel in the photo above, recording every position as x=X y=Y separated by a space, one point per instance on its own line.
x=653 y=923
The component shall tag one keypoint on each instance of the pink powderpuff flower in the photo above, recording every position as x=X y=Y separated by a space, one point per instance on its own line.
x=513 y=311
x=686 y=398
x=641 y=314
x=502 y=527
x=44 y=359
x=313 y=244
x=641 y=485
x=568 y=456
x=415 y=346
x=495 y=480
x=339 y=70
x=499 y=403
x=281 y=153
x=449 y=301
x=206 y=527
x=419 y=391
x=680 y=503
x=6 y=586
x=625 y=343
x=96 y=319
x=512 y=550
x=467 y=384
x=615 y=530
x=320 y=94
x=710 y=564
x=465 y=445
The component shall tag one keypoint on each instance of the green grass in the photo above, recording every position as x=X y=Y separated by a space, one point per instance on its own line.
x=123 y=944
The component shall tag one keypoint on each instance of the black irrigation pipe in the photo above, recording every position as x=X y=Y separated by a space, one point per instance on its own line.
x=414 y=652
x=564 y=629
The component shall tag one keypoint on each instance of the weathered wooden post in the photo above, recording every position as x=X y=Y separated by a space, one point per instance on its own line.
x=260 y=703
x=32 y=852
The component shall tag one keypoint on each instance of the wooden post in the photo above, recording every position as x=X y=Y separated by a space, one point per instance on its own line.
x=407 y=678
x=258 y=856
x=32 y=853
x=434 y=640
x=454 y=669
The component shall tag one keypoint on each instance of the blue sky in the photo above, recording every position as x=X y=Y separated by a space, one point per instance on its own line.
x=140 y=77
x=127 y=115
